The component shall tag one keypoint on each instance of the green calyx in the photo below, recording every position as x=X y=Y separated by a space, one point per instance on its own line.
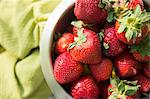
x=143 y=47
x=101 y=35
x=81 y=38
x=114 y=8
x=79 y=24
x=122 y=88
x=132 y=22
x=106 y=46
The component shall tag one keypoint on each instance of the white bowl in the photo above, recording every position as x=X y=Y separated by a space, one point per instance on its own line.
x=56 y=23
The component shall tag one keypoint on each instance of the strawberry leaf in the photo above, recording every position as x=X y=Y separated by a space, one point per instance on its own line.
x=129 y=35
x=101 y=5
x=143 y=47
x=121 y=28
x=137 y=11
x=81 y=37
x=101 y=35
x=121 y=86
x=72 y=45
x=130 y=82
x=113 y=95
x=110 y=16
x=131 y=90
x=79 y=24
x=106 y=46
x=113 y=81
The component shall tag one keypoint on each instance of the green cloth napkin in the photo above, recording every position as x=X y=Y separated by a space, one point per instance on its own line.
x=21 y=25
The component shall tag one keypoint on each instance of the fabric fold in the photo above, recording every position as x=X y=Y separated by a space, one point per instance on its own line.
x=21 y=26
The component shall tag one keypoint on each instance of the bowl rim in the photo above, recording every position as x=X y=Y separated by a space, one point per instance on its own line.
x=46 y=44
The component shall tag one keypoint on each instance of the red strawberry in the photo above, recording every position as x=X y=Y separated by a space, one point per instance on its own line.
x=141 y=51
x=63 y=42
x=114 y=45
x=102 y=71
x=85 y=88
x=89 y=11
x=125 y=64
x=87 y=47
x=146 y=69
x=133 y=3
x=66 y=69
x=143 y=81
x=133 y=26
x=141 y=58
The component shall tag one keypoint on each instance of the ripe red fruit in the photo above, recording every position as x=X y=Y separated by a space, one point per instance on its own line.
x=87 y=47
x=146 y=67
x=66 y=69
x=141 y=58
x=89 y=12
x=63 y=43
x=141 y=51
x=102 y=71
x=143 y=81
x=133 y=3
x=85 y=88
x=125 y=64
x=115 y=46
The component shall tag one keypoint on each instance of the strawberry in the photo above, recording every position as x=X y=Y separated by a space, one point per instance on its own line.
x=102 y=71
x=141 y=51
x=122 y=89
x=112 y=45
x=86 y=47
x=143 y=81
x=141 y=58
x=85 y=88
x=125 y=64
x=133 y=3
x=63 y=42
x=147 y=69
x=66 y=69
x=89 y=11
x=133 y=26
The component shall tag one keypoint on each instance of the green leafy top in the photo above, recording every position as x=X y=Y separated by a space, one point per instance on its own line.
x=101 y=35
x=143 y=47
x=81 y=38
x=115 y=8
x=79 y=24
x=132 y=22
x=122 y=88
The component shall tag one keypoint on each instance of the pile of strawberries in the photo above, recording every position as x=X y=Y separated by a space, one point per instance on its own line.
x=105 y=53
